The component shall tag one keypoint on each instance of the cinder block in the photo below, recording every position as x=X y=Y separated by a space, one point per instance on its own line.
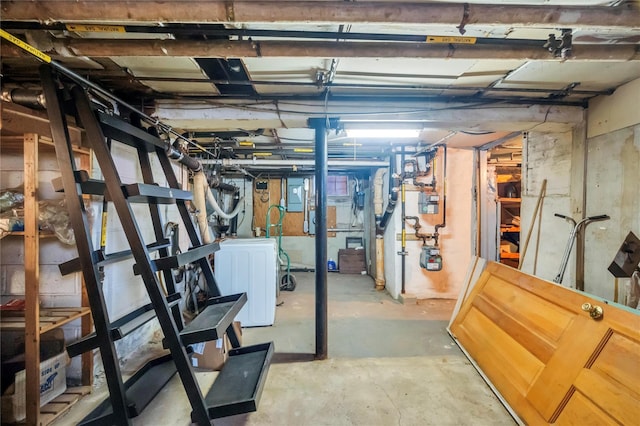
x=408 y=299
x=52 y=283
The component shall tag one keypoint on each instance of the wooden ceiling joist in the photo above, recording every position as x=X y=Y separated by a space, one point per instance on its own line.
x=362 y=12
x=310 y=49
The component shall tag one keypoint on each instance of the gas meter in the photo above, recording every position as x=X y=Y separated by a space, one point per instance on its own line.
x=428 y=203
x=430 y=258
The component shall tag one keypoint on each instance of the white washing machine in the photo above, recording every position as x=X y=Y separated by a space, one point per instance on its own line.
x=250 y=266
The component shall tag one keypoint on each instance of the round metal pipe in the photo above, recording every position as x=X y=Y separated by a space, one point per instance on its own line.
x=291 y=163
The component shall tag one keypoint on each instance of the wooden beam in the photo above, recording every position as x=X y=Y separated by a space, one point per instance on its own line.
x=16 y=118
x=195 y=115
x=31 y=280
x=321 y=49
x=386 y=12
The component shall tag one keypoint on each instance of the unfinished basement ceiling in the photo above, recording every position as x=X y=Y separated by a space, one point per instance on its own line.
x=212 y=68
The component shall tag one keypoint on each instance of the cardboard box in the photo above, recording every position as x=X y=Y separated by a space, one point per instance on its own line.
x=238 y=329
x=209 y=355
x=351 y=261
x=213 y=354
x=53 y=382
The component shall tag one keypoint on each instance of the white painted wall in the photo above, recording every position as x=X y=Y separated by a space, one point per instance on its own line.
x=613 y=188
x=612 y=182
x=123 y=291
x=547 y=156
x=455 y=238
x=610 y=113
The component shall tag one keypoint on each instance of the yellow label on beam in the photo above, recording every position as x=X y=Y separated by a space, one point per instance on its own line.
x=451 y=39
x=26 y=47
x=81 y=28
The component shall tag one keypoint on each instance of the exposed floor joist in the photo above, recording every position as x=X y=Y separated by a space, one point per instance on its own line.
x=321 y=12
x=314 y=49
x=506 y=117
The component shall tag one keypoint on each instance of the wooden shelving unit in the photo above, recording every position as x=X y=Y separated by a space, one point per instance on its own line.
x=508 y=209
x=34 y=319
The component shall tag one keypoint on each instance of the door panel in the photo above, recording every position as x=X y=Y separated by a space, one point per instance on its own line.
x=551 y=361
x=582 y=412
x=612 y=380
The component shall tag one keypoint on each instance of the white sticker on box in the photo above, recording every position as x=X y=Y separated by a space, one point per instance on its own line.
x=198 y=348
x=194 y=362
x=219 y=343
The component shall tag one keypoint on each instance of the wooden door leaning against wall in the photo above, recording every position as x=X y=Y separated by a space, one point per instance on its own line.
x=553 y=360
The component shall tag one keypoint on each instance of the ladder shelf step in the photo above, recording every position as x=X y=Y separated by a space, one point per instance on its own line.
x=147 y=193
x=140 y=388
x=135 y=192
x=120 y=327
x=102 y=259
x=121 y=131
x=238 y=387
x=214 y=320
x=190 y=256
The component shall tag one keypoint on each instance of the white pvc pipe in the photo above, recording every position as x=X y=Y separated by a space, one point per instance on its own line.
x=212 y=205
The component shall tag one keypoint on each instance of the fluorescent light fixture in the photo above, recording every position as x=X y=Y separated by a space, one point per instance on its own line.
x=383 y=133
x=262 y=154
x=302 y=149
x=246 y=143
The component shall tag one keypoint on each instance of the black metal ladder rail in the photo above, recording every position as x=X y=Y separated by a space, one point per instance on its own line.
x=141 y=255
x=238 y=387
x=80 y=224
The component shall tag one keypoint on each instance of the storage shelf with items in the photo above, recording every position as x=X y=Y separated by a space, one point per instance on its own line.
x=508 y=212
x=37 y=303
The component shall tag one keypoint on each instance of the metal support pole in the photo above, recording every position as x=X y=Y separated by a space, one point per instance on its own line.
x=321 y=125
x=403 y=226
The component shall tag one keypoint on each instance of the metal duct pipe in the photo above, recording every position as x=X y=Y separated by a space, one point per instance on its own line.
x=216 y=183
x=176 y=154
x=30 y=98
x=233 y=226
x=291 y=163
x=394 y=187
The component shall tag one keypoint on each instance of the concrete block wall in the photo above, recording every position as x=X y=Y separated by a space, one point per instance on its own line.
x=55 y=290
x=613 y=174
x=547 y=156
x=611 y=183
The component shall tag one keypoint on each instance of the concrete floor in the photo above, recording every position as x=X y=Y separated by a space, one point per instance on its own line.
x=389 y=364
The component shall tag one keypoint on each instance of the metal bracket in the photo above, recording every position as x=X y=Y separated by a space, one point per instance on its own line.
x=560 y=47
x=465 y=19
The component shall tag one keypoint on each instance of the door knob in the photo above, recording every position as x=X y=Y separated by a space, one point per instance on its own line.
x=595 y=312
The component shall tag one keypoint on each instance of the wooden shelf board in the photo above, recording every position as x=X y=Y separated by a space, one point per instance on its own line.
x=509 y=200
x=41 y=234
x=50 y=318
x=510 y=229
x=509 y=255
x=63 y=403
x=16 y=144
